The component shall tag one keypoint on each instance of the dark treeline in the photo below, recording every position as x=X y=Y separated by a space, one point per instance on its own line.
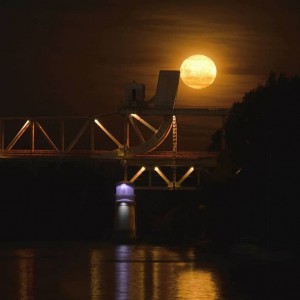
x=261 y=135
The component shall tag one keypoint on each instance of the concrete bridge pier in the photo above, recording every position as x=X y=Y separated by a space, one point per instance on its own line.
x=124 y=223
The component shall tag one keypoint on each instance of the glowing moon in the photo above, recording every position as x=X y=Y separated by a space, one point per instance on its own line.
x=198 y=71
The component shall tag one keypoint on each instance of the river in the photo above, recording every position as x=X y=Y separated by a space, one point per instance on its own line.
x=92 y=271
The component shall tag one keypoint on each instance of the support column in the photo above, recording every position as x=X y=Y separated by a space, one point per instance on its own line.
x=124 y=226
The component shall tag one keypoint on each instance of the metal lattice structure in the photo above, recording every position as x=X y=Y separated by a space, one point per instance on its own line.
x=99 y=137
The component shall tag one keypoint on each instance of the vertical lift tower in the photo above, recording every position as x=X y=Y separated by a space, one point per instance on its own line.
x=135 y=105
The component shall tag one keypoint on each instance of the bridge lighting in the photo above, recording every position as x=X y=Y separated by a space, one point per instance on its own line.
x=136 y=176
x=238 y=171
x=125 y=193
x=185 y=176
x=163 y=176
x=125 y=212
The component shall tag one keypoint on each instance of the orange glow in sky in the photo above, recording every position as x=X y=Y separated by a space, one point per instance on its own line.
x=77 y=58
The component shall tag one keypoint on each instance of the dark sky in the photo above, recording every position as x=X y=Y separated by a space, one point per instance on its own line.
x=74 y=57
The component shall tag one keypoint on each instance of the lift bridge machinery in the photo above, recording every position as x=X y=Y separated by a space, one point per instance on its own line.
x=144 y=125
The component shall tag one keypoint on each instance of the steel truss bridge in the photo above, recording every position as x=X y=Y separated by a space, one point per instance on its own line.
x=145 y=126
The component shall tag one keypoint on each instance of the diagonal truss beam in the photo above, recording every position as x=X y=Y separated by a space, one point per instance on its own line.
x=108 y=133
x=184 y=177
x=173 y=183
x=137 y=174
x=136 y=129
x=18 y=135
x=78 y=136
x=149 y=126
x=163 y=176
x=46 y=136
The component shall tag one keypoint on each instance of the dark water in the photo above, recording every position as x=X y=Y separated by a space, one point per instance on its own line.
x=94 y=271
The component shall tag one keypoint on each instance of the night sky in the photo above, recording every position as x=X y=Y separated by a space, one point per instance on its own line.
x=64 y=57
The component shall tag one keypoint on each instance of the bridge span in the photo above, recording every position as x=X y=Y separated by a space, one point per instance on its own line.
x=132 y=136
x=87 y=138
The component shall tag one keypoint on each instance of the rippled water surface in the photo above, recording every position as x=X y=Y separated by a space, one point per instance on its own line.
x=84 y=271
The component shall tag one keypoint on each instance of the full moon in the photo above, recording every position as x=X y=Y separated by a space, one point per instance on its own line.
x=198 y=71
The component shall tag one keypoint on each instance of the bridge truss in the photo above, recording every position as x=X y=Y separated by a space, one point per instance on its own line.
x=100 y=138
x=133 y=139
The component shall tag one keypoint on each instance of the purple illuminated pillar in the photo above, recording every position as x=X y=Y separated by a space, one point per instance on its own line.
x=124 y=227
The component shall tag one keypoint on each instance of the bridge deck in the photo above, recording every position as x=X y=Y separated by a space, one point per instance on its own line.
x=167 y=158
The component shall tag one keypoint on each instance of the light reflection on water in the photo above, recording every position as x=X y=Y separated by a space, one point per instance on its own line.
x=122 y=273
x=197 y=285
x=26 y=273
x=82 y=272
x=95 y=270
x=79 y=271
x=149 y=273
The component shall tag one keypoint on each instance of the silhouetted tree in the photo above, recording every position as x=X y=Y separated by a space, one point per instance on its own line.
x=261 y=135
x=216 y=141
x=265 y=121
